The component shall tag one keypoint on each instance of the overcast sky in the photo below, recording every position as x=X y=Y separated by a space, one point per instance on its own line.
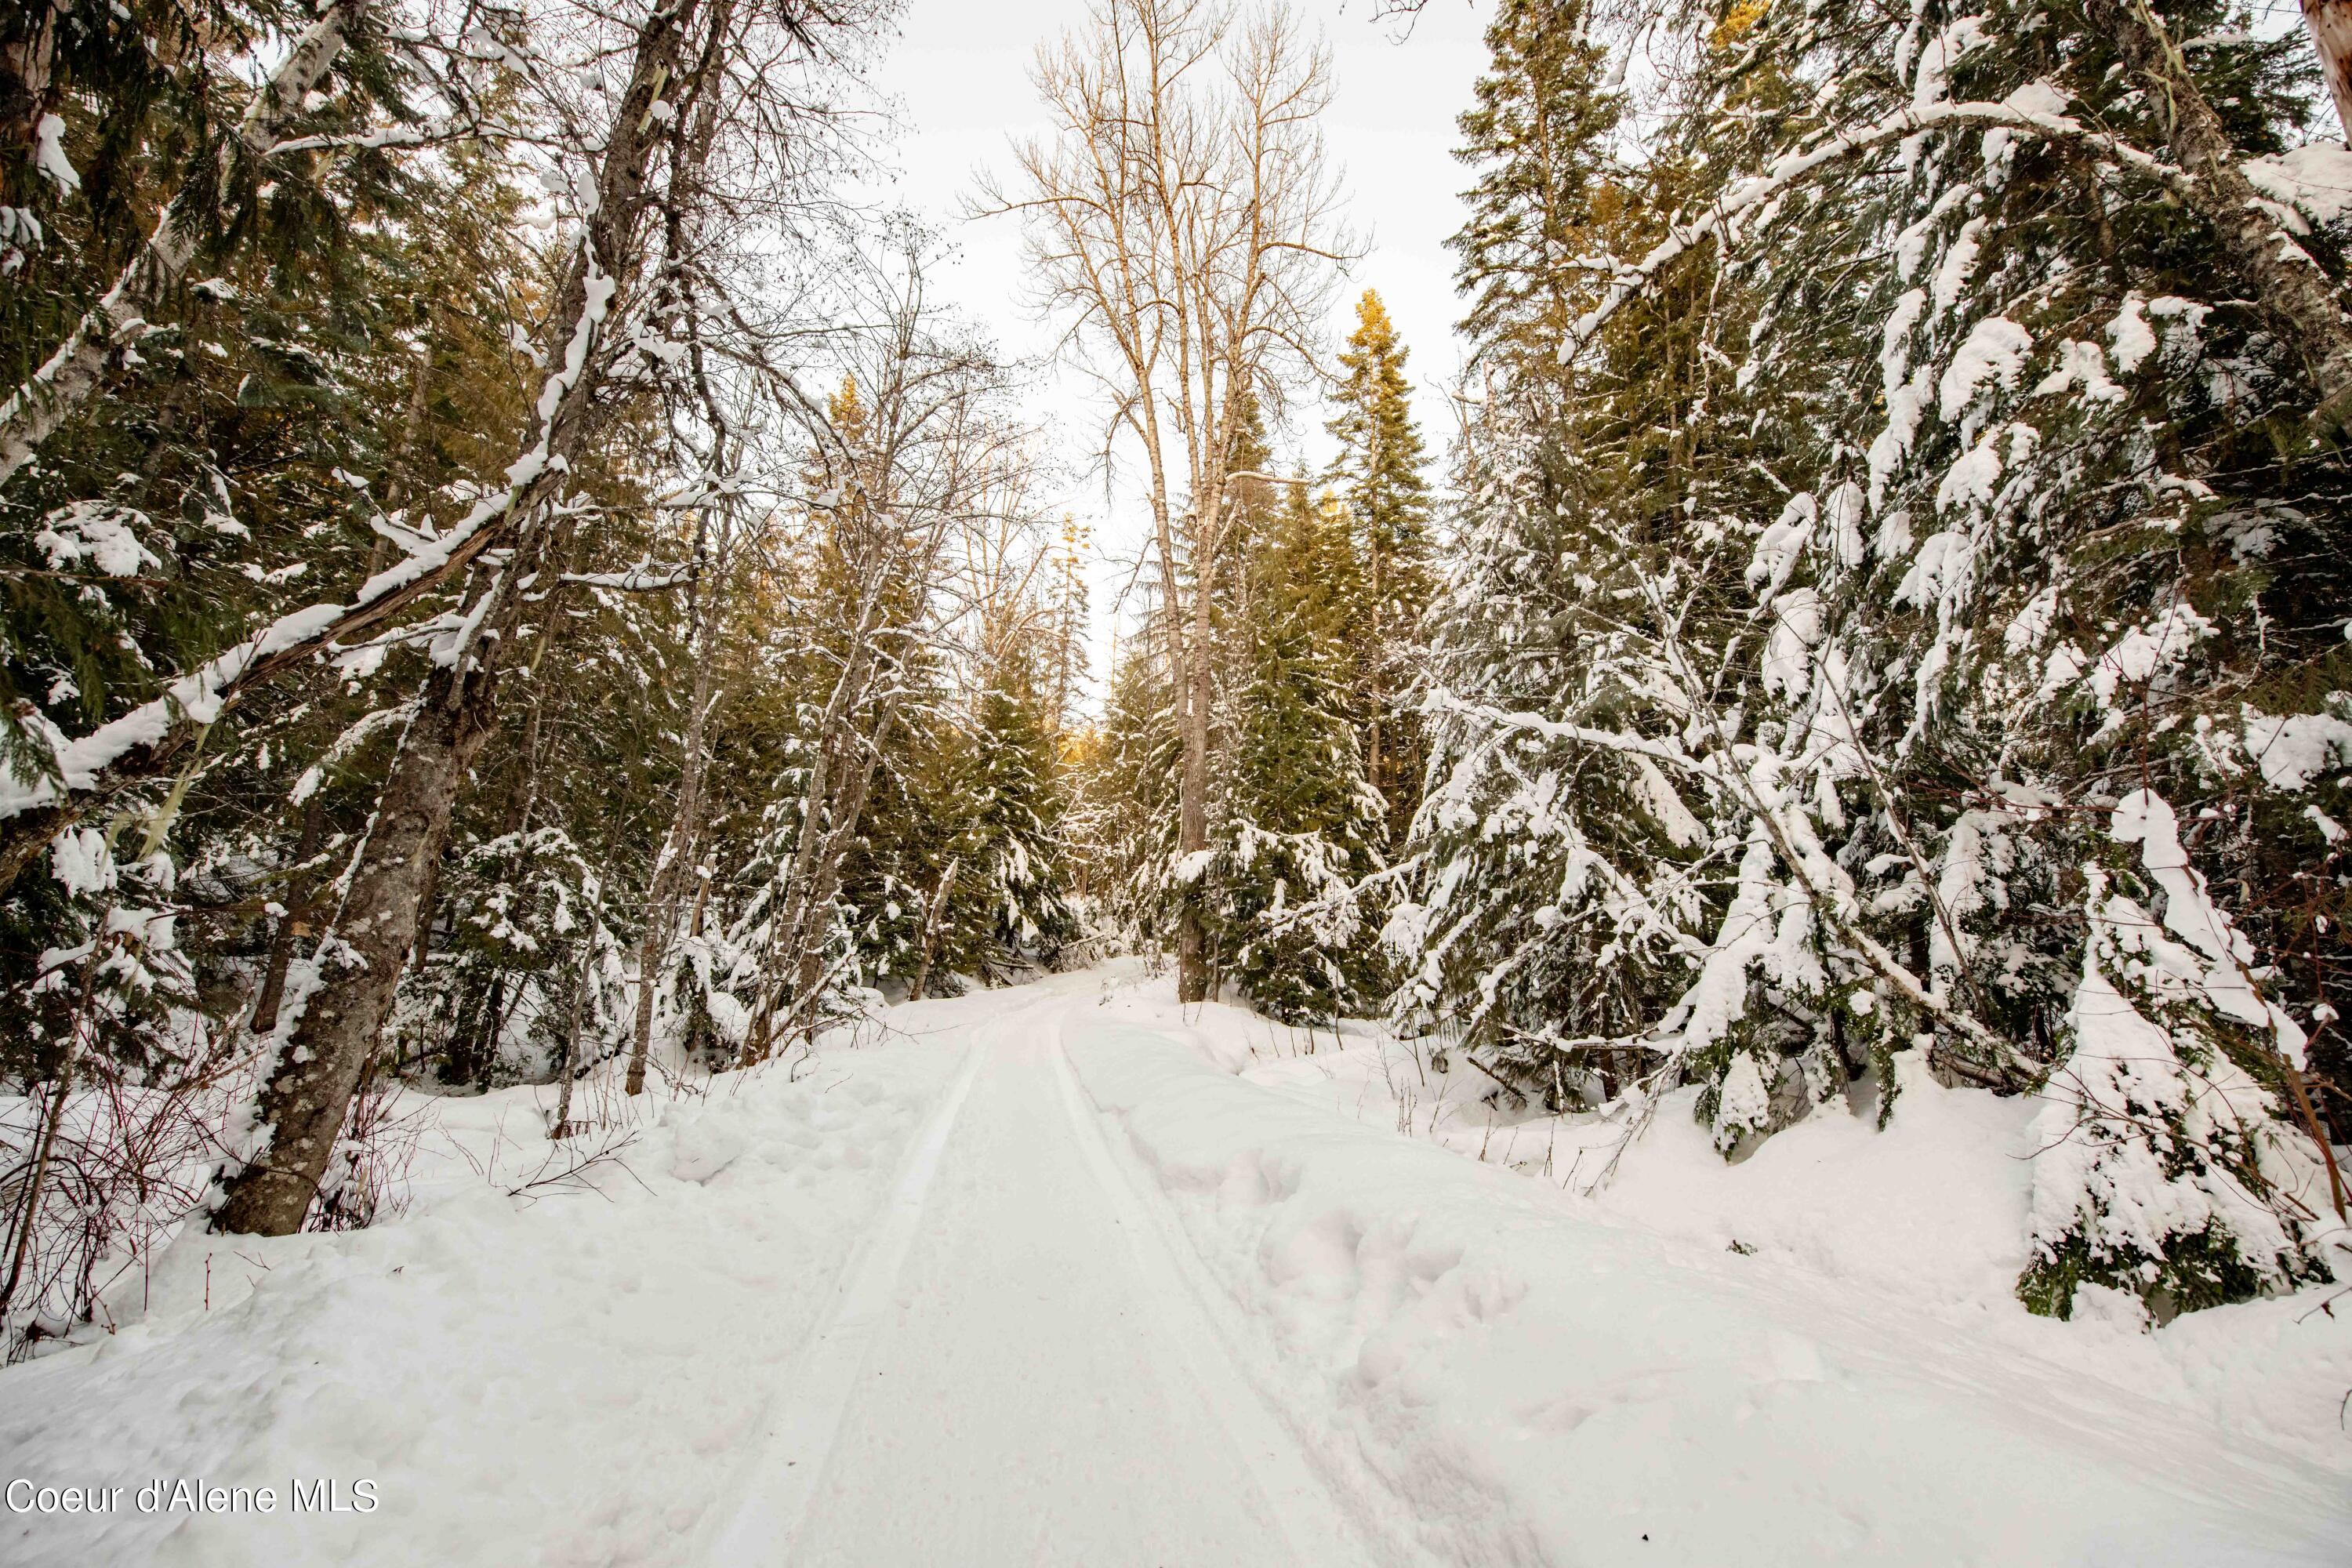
x=961 y=77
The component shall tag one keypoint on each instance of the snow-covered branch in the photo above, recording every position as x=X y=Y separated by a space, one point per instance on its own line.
x=2032 y=110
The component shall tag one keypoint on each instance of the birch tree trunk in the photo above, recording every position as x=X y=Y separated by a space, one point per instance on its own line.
x=685 y=824
x=940 y=897
x=2330 y=25
x=1189 y=235
x=295 y=922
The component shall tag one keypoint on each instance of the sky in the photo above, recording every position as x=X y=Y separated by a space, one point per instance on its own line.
x=959 y=77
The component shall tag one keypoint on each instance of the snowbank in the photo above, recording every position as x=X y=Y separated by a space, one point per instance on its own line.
x=1543 y=1385
x=556 y=1377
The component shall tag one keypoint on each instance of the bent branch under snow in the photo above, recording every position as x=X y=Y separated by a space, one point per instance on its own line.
x=2289 y=283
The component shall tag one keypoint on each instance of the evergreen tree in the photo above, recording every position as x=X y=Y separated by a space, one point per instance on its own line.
x=1540 y=138
x=1123 y=816
x=1804 y=641
x=1300 y=824
x=1378 y=474
x=1010 y=907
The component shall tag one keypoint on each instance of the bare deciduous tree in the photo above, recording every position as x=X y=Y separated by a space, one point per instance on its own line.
x=898 y=486
x=1182 y=223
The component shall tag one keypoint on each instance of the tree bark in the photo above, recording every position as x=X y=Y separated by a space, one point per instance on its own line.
x=296 y=921
x=27 y=74
x=315 y=1076
x=940 y=897
x=686 y=823
x=312 y=1084
x=2330 y=25
x=1193 y=804
x=427 y=906
x=826 y=837
x=2301 y=300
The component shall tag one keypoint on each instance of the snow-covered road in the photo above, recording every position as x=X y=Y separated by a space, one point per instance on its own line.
x=1019 y=1369
x=1033 y=1279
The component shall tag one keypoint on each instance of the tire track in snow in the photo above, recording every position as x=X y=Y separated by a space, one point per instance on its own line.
x=778 y=1478
x=1316 y=1528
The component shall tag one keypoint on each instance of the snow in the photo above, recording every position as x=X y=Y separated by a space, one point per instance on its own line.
x=2315 y=181
x=1042 y=1380
x=2040 y=98
x=1191 y=867
x=2297 y=748
x=99 y=532
x=1893 y=355
x=1972 y=479
x=2148 y=650
x=80 y=861
x=551 y=1378
x=1783 y=544
x=1944 y=51
x=1796 y=627
x=2032 y=623
x=1845 y=511
x=2080 y=365
x=2133 y=339
x=1544 y=1376
x=1960 y=262
x=50 y=154
x=1907 y=405
x=2150 y=1132
x=1943 y=570
x=1071 y=1274
x=2094 y=1174
x=1993 y=351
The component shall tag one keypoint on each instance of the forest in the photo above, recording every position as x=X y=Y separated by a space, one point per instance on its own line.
x=516 y=579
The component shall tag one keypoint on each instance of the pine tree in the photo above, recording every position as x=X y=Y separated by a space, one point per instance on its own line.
x=1898 y=504
x=1379 y=473
x=1540 y=138
x=1010 y=906
x=1122 y=819
x=1554 y=877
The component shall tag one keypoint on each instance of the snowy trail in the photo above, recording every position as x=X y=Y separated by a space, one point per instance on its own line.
x=1020 y=1369
x=1033 y=1278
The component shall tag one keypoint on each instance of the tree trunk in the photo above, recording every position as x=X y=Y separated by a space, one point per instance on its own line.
x=296 y=921
x=2330 y=23
x=568 y=1066
x=826 y=837
x=310 y=1086
x=1192 y=804
x=842 y=819
x=314 y=1079
x=28 y=76
x=2300 y=299
x=938 y=909
x=428 y=905
x=685 y=828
